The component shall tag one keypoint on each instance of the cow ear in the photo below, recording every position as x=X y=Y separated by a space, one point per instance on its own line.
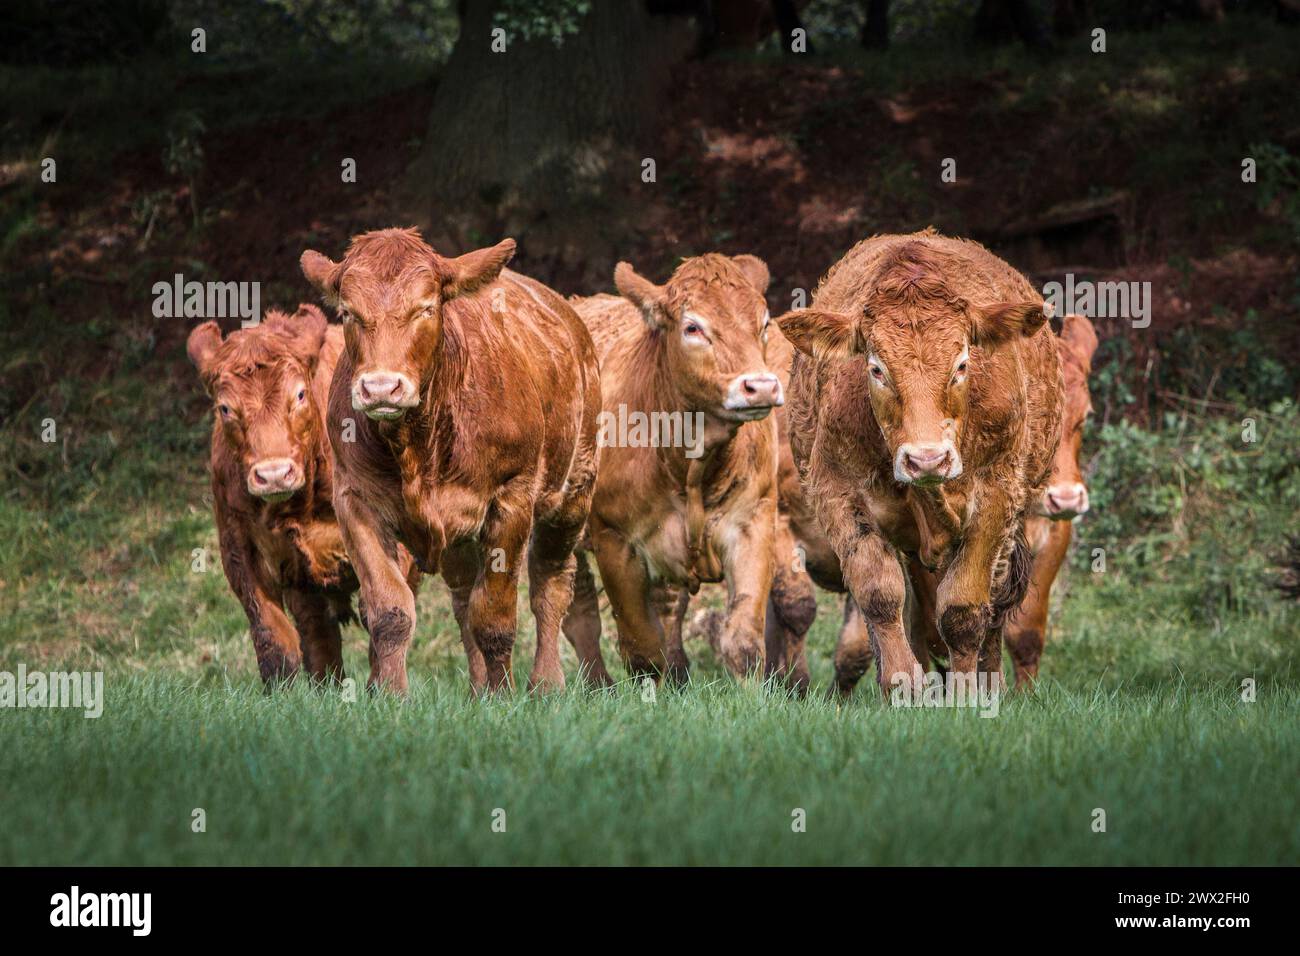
x=309 y=325
x=467 y=274
x=1002 y=321
x=755 y=270
x=323 y=273
x=202 y=348
x=821 y=334
x=650 y=299
x=1079 y=336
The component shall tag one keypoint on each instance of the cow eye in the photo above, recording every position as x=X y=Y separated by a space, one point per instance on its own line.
x=225 y=410
x=302 y=393
x=693 y=328
x=345 y=315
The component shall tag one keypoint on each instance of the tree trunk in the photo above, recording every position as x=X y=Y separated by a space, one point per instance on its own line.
x=996 y=21
x=875 y=31
x=537 y=127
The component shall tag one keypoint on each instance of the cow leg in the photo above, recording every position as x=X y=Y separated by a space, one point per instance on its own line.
x=460 y=569
x=494 y=601
x=852 y=651
x=875 y=581
x=673 y=603
x=318 y=630
x=791 y=609
x=923 y=627
x=747 y=565
x=551 y=567
x=964 y=603
x=1026 y=628
x=276 y=645
x=388 y=600
x=582 y=624
x=990 y=658
x=275 y=640
x=627 y=585
x=874 y=578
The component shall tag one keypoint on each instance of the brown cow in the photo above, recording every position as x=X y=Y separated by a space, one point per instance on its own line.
x=463 y=420
x=1047 y=526
x=925 y=409
x=271 y=486
x=691 y=497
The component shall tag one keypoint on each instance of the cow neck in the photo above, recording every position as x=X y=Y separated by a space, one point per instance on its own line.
x=690 y=474
x=415 y=441
x=699 y=563
x=937 y=522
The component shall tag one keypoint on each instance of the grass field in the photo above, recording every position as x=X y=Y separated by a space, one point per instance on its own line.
x=1185 y=774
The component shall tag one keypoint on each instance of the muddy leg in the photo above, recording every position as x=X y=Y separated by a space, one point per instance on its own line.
x=791 y=609
x=460 y=569
x=318 y=628
x=875 y=579
x=672 y=604
x=493 y=611
x=853 y=653
x=388 y=600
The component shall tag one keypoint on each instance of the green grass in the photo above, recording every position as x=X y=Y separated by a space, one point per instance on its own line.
x=712 y=775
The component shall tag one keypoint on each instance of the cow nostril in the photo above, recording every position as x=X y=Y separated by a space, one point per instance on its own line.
x=931 y=463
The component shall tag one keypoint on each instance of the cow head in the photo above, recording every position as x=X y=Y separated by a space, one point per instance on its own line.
x=260 y=382
x=921 y=345
x=1066 y=496
x=390 y=290
x=713 y=320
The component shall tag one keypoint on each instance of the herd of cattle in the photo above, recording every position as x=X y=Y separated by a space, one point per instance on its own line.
x=911 y=440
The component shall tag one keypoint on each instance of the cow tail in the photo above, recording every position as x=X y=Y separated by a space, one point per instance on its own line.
x=1009 y=592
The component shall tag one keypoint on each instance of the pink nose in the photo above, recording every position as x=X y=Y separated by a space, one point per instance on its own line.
x=273 y=476
x=762 y=390
x=927 y=461
x=1066 y=500
x=380 y=387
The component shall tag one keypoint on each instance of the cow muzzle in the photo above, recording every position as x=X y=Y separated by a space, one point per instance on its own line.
x=926 y=463
x=383 y=396
x=1063 y=502
x=752 y=396
x=274 y=479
